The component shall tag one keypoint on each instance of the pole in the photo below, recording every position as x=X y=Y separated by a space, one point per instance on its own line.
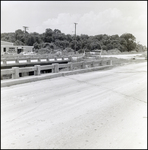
x=75 y=37
x=25 y=28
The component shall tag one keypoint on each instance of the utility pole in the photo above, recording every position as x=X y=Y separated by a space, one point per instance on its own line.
x=75 y=37
x=25 y=28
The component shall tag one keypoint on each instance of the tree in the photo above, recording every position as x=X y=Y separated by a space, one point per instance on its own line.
x=99 y=37
x=114 y=37
x=37 y=46
x=57 y=31
x=48 y=35
x=126 y=42
x=68 y=37
x=18 y=42
x=104 y=47
x=19 y=35
x=114 y=43
x=94 y=45
x=29 y=40
x=10 y=37
x=72 y=44
x=64 y=44
x=37 y=37
x=55 y=34
x=84 y=36
x=123 y=44
x=109 y=46
x=130 y=39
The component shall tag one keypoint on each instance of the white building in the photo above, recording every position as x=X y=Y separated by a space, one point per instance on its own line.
x=8 y=47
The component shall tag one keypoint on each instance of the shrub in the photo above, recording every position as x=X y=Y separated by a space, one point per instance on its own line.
x=43 y=51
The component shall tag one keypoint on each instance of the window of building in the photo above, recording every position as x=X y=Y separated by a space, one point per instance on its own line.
x=11 y=49
x=4 y=49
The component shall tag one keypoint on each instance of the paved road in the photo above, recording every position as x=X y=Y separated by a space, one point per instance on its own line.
x=97 y=110
x=125 y=56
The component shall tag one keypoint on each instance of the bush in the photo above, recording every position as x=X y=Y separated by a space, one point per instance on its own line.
x=68 y=49
x=82 y=50
x=43 y=51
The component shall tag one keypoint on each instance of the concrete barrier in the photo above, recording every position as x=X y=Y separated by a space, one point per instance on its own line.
x=11 y=82
x=15 y=71
x=15 y=75
x=37 y=70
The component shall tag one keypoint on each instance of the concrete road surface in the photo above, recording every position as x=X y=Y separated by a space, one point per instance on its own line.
x=125 y=56
x=99 y=110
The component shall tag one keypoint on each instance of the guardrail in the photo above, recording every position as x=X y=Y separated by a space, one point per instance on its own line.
x=18 y=61
x=55 y=68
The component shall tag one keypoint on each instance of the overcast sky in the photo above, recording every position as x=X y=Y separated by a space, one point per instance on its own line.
x=93 y=17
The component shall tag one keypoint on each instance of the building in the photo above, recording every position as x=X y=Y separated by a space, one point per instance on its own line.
x=8 y=47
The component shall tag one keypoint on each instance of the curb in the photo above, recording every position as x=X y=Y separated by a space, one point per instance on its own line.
x=27 y=79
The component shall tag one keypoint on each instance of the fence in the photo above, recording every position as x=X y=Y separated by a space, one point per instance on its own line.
x=55 y=68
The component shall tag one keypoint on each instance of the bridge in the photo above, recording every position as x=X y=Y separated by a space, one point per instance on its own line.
x=37 y=70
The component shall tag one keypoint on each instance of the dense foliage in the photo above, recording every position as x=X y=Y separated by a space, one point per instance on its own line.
x=53 y=39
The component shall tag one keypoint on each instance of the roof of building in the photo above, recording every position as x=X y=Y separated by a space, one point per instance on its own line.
x=10 y=44
x=6 y=42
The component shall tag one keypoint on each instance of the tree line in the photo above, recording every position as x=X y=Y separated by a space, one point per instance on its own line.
x=54 y=39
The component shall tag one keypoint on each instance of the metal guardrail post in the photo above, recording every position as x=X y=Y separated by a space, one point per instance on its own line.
x=15 y=75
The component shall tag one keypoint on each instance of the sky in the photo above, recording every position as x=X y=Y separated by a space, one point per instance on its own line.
x=92 y=17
